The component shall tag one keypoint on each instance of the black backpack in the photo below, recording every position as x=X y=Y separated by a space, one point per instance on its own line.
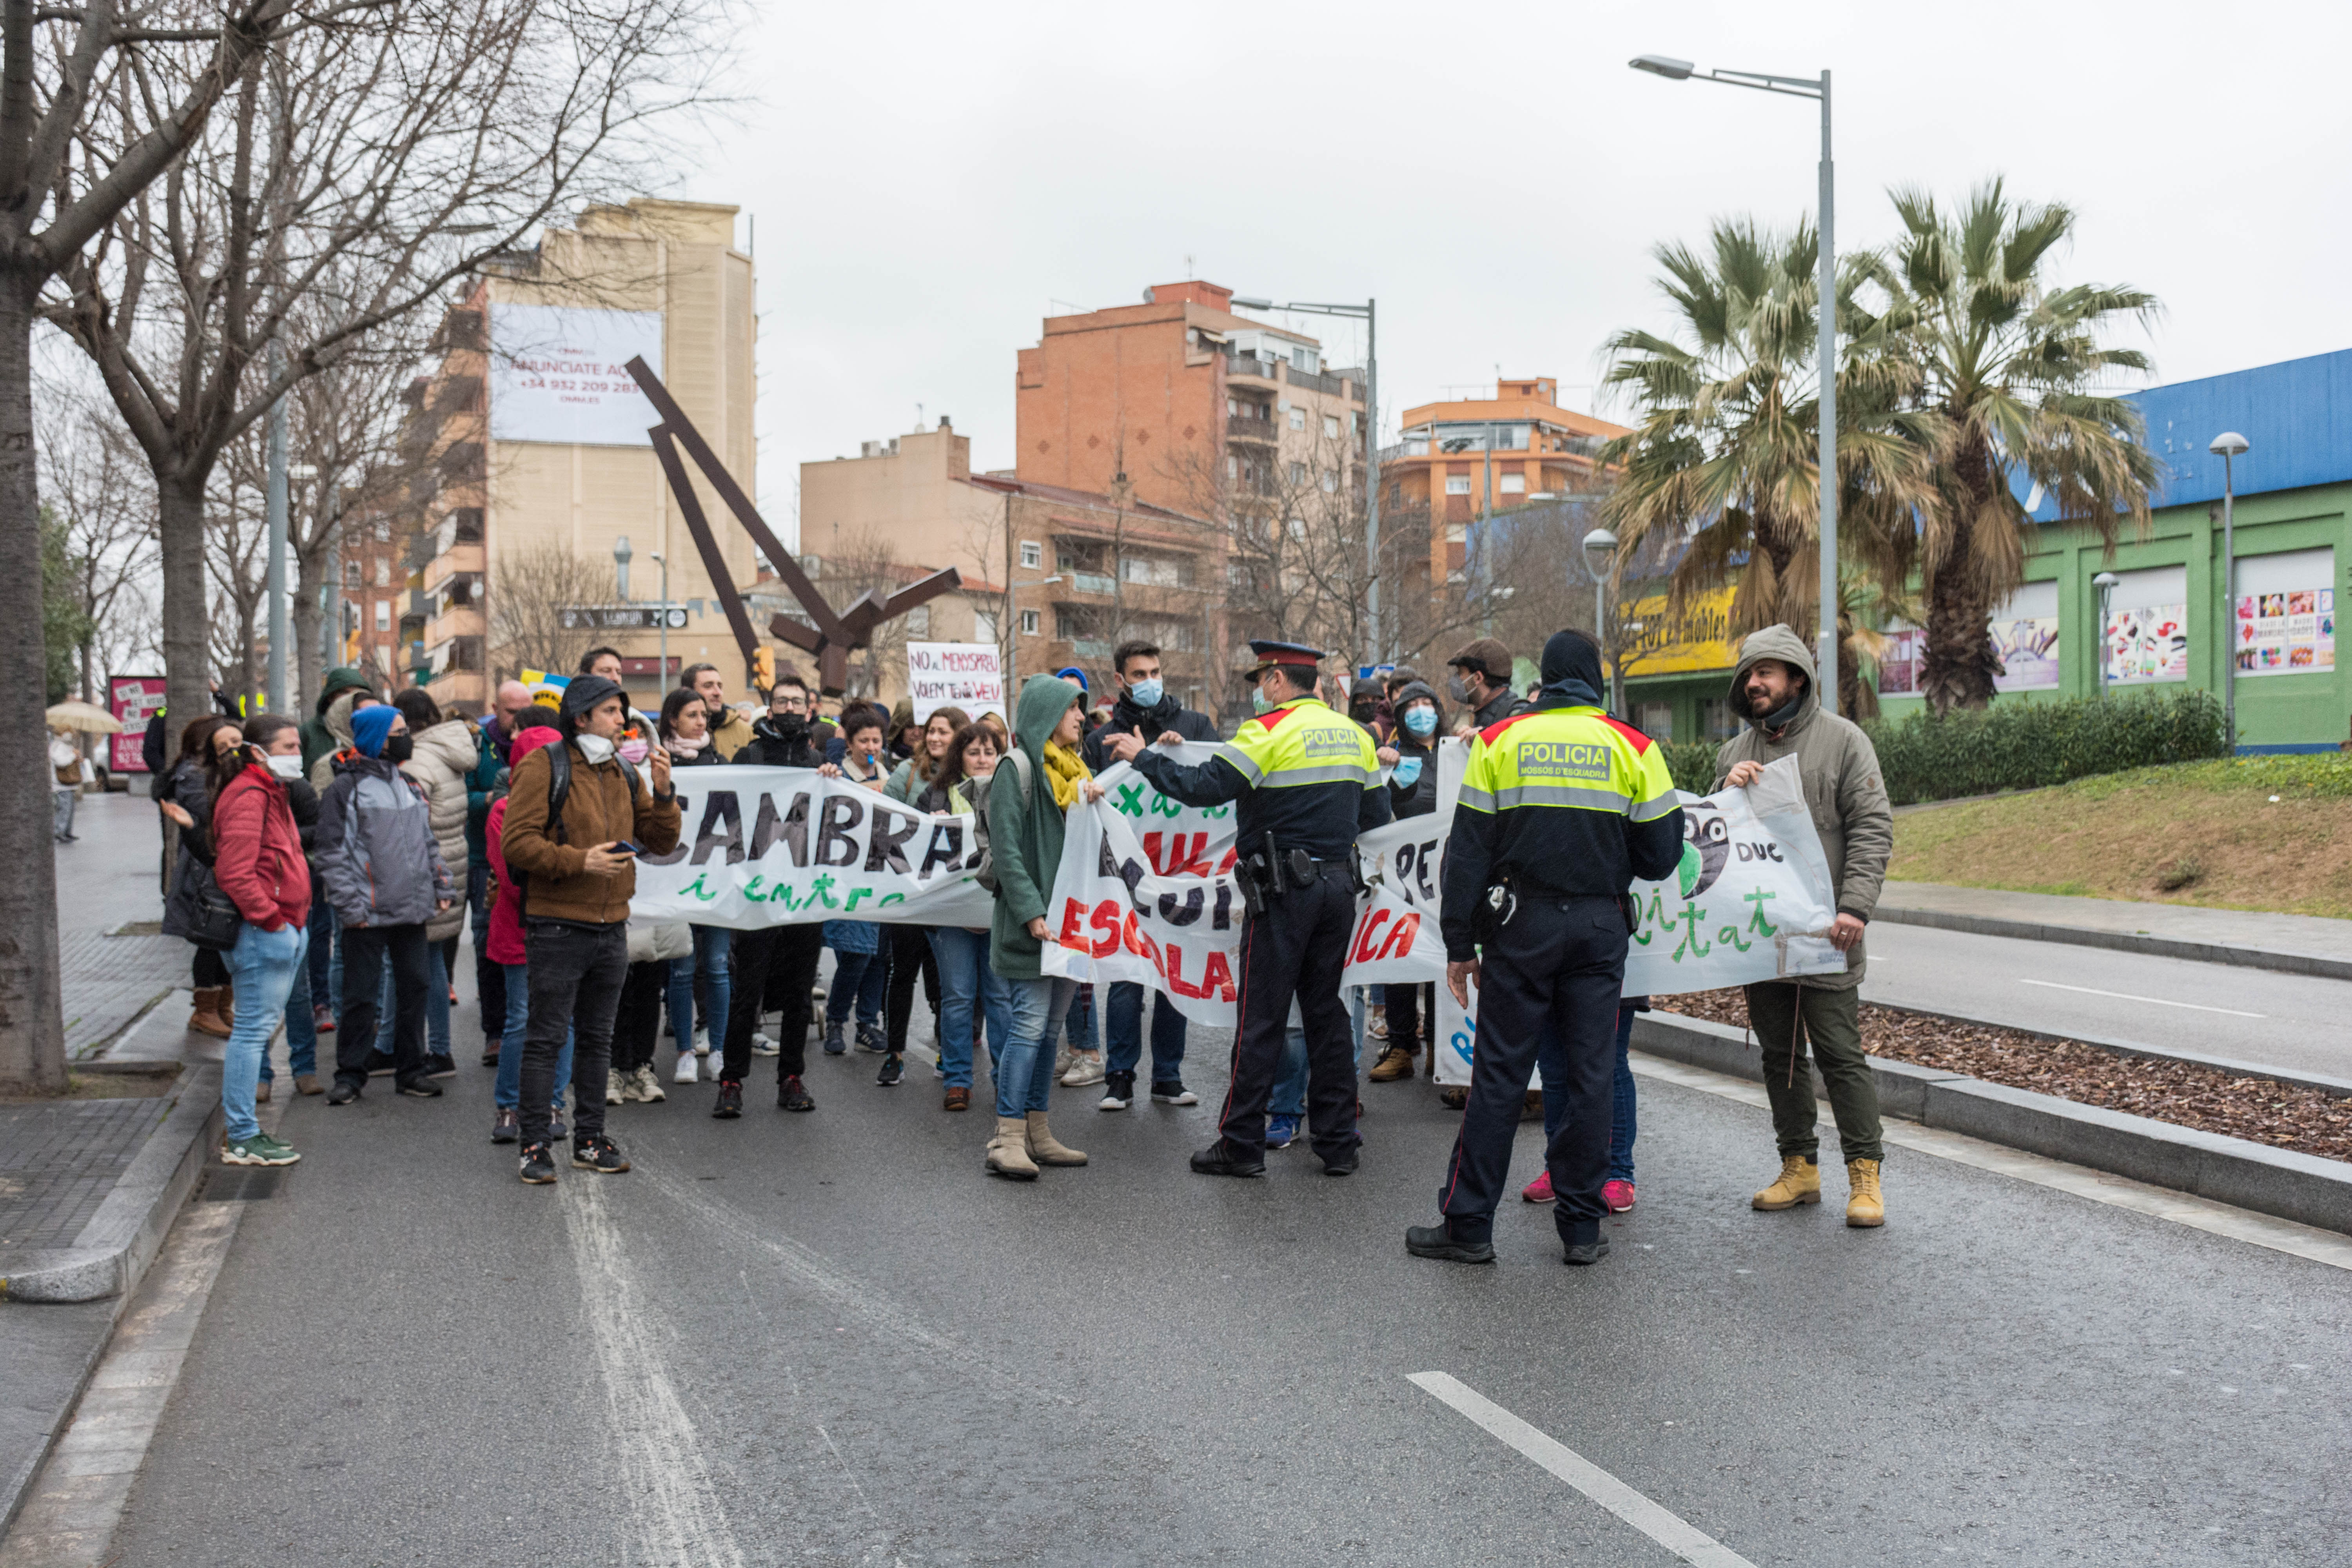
x=558 y=790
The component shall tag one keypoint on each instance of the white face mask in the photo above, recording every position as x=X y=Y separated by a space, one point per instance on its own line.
x=595 y=748
x=288 y=767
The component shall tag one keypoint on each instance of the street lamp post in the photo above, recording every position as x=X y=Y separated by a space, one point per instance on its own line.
x=662 y=684
x=1012 y=640
x=2230 y=445
x=2105 y=582
x=1826 y=311
x=1600 y=546
x=1369 y=313
x=621 y=554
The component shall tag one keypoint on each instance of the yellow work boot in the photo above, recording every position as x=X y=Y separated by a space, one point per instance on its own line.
x=1396 y=1062
x=1865 y=1205
x=1800 y=1182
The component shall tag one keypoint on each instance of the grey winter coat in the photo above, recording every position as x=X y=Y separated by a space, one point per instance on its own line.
x=441 y=759
x=377 y=849
x=1843 y=785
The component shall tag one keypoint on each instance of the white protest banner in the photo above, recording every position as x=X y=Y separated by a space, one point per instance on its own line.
x=1751 y=900
x=966 y=675
x=765 y=847
x=1145 y=892
x=560 y=374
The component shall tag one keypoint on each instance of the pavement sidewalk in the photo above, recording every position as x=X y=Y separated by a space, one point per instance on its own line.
x=2293 y=944
x=91 y=1186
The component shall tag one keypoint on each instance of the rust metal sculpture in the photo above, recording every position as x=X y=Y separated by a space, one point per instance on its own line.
x=834 y=636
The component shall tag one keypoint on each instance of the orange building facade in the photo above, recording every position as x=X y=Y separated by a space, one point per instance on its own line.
x=1468 y=456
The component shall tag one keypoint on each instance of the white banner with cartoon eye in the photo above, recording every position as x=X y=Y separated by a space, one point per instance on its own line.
x=767 y=846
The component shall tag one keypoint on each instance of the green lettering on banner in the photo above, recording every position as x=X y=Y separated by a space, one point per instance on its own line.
x=1131 y=799
x=698 y=891
x=856 y=894
x=752 y=889
x=889 y=899
x=1653 y=921
x=1731 y=935
x=1691 y=915
x=822 y=891
x=1758 y=924
x=1166 y=807
x=782 y=891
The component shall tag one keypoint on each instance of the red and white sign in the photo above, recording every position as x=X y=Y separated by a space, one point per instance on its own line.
x=966 y=675
x=133 y=699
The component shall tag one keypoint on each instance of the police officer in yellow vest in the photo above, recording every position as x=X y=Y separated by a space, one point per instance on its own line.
x=1561 y=808
x=1307 y=780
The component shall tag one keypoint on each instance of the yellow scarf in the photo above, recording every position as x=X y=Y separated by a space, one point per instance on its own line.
x=1066 y=769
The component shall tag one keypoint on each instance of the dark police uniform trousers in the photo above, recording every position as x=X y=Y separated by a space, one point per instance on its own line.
x=1297 y=948
x=1557 y=964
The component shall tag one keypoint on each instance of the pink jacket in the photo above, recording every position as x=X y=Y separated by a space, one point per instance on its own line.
x=506 y=945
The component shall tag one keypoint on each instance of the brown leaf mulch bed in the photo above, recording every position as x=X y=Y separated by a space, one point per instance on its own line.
x=2285 y=1116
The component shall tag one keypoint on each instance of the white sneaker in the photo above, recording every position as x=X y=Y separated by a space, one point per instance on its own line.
x=612 y=1093
x=701 y=1042
x=1086 y=1067
x=649 y=1089
x=690 y=1069
x=761 y=1045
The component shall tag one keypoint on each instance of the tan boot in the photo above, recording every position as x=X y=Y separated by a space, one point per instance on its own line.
x=227 y=1005
x=1865 y=1205
x=1800 y=1182
x=1048 y=1149
x=206 y=1020
x=1008 y=1151
x=1396 y=1062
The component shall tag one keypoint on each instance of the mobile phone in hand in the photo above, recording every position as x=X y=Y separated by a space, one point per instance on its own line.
x=626 y=847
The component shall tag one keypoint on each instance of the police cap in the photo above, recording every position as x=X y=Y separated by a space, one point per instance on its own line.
x=1290 y=655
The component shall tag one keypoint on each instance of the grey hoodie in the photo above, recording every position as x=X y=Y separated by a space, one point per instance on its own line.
x=375 y=846
x=1841 y=782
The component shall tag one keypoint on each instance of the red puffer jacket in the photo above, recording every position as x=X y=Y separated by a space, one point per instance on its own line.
x=258 y=851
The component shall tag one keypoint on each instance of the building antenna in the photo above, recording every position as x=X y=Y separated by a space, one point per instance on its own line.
x=1188 y=264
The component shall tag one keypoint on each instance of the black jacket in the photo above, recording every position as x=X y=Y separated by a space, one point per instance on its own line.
x=1507 y=705
x=1127 y=719
x=768 y=748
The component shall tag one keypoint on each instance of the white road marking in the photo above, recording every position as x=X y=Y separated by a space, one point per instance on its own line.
x=2128 y=996
x=675 y=1507
x=1666 y=1527
x=2120 y=1192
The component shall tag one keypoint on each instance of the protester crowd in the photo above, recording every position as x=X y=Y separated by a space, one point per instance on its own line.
x=325 y=871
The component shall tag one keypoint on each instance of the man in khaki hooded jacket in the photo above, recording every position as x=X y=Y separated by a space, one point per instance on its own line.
x=1775 y=688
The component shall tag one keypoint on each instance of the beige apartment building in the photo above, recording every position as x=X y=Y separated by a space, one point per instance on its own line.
x=534 y=463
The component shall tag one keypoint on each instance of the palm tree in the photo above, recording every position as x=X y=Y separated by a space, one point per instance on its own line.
x=1720 y=473
x=2013 y=366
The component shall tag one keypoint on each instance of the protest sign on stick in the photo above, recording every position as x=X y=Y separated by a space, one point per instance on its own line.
x=966 y=675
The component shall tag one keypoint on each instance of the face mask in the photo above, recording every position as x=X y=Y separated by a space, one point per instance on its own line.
x=1457 y=690
x=289 y=768
x=792 y=726
x=1258 y=701
x=1408 y=770
x=399 y=748
x=634 y=751
x=1146 y=694
x=1421 y=721
x=595 y=748
x=1361 y=713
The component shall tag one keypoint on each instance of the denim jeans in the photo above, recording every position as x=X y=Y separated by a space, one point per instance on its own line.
x=1288 y=1096
x=1123 y=1027
x=967 y=984
x=576 y=975
x=325 y=982
x=507 y=1092
x=490 y=977
x=1551 y=1066
x=437 y=1006
x=1077 y=1016
x=302 y=1028
x=1024 y=1067
x=263 y=963
x=708 y=963
x=859 y=977
x=65 y=800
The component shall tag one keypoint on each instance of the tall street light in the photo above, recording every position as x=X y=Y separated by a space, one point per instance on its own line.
x=1013 y=642
x=1801 y=87
x=2107 y=584
x=1599 y=546
x=621 y=557
x=662 y=685
x=2230 y=445
x=1369 y=313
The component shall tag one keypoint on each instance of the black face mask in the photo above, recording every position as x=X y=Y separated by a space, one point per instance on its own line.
x=399 y=748
x=1361 y=713
x=792 y=726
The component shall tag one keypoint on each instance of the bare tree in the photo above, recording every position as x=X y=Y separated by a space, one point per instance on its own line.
x=236 y=565
x=529 y=628
x=99 y=488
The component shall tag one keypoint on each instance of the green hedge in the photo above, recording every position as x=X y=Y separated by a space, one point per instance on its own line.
x=2026 y=746
x=1692 y=762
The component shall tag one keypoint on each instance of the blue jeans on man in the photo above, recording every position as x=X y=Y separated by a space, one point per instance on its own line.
x=1123 y=1031
x=1551 y=1069
x=263 y=964
x=1289 y=1095
x=969 y=989
x=507 y=1092
x=708 y=961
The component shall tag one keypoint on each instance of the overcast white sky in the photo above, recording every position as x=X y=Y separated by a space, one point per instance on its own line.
x=928 y=180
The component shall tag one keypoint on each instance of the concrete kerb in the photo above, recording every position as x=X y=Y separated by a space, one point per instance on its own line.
x=2234 y=1171
x=2280 y=960
x=113 y=1250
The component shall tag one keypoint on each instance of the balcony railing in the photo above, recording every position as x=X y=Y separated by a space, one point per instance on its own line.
x=1093 y=583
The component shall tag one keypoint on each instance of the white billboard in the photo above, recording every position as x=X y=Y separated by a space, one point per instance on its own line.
x=558 y=374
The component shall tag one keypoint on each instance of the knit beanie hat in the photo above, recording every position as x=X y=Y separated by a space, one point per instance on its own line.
x=370 y=726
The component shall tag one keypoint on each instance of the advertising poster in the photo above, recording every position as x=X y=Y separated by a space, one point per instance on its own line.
x=133 y=699
x=2288 y=632
x=966 y=675
x=559 y=374
x=1898 y=664
x=2025 y=633
x=2147 y=645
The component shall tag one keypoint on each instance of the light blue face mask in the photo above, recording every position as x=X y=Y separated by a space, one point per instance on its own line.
x=1421 y=720
x=1408 y=771
x=1258 y=701
x=1147 y=694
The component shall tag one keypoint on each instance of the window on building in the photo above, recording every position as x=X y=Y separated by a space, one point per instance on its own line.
x=1515 y=484
x=1655 y=720
x=1032 y=554
x=1716 y=720
x=384 y=615
x=919 y=623
x=1330 y=427
x=1330 y=481
x=1233 y=468
x=1457 y=484
x=1232 y=407
x=1298 y=420
x=983 y=625
x=1028 y=622
x=383 y=571
x=1298 y=473
x=350 y=573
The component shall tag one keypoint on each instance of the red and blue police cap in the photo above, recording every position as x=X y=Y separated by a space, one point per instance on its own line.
x=1290 y=656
